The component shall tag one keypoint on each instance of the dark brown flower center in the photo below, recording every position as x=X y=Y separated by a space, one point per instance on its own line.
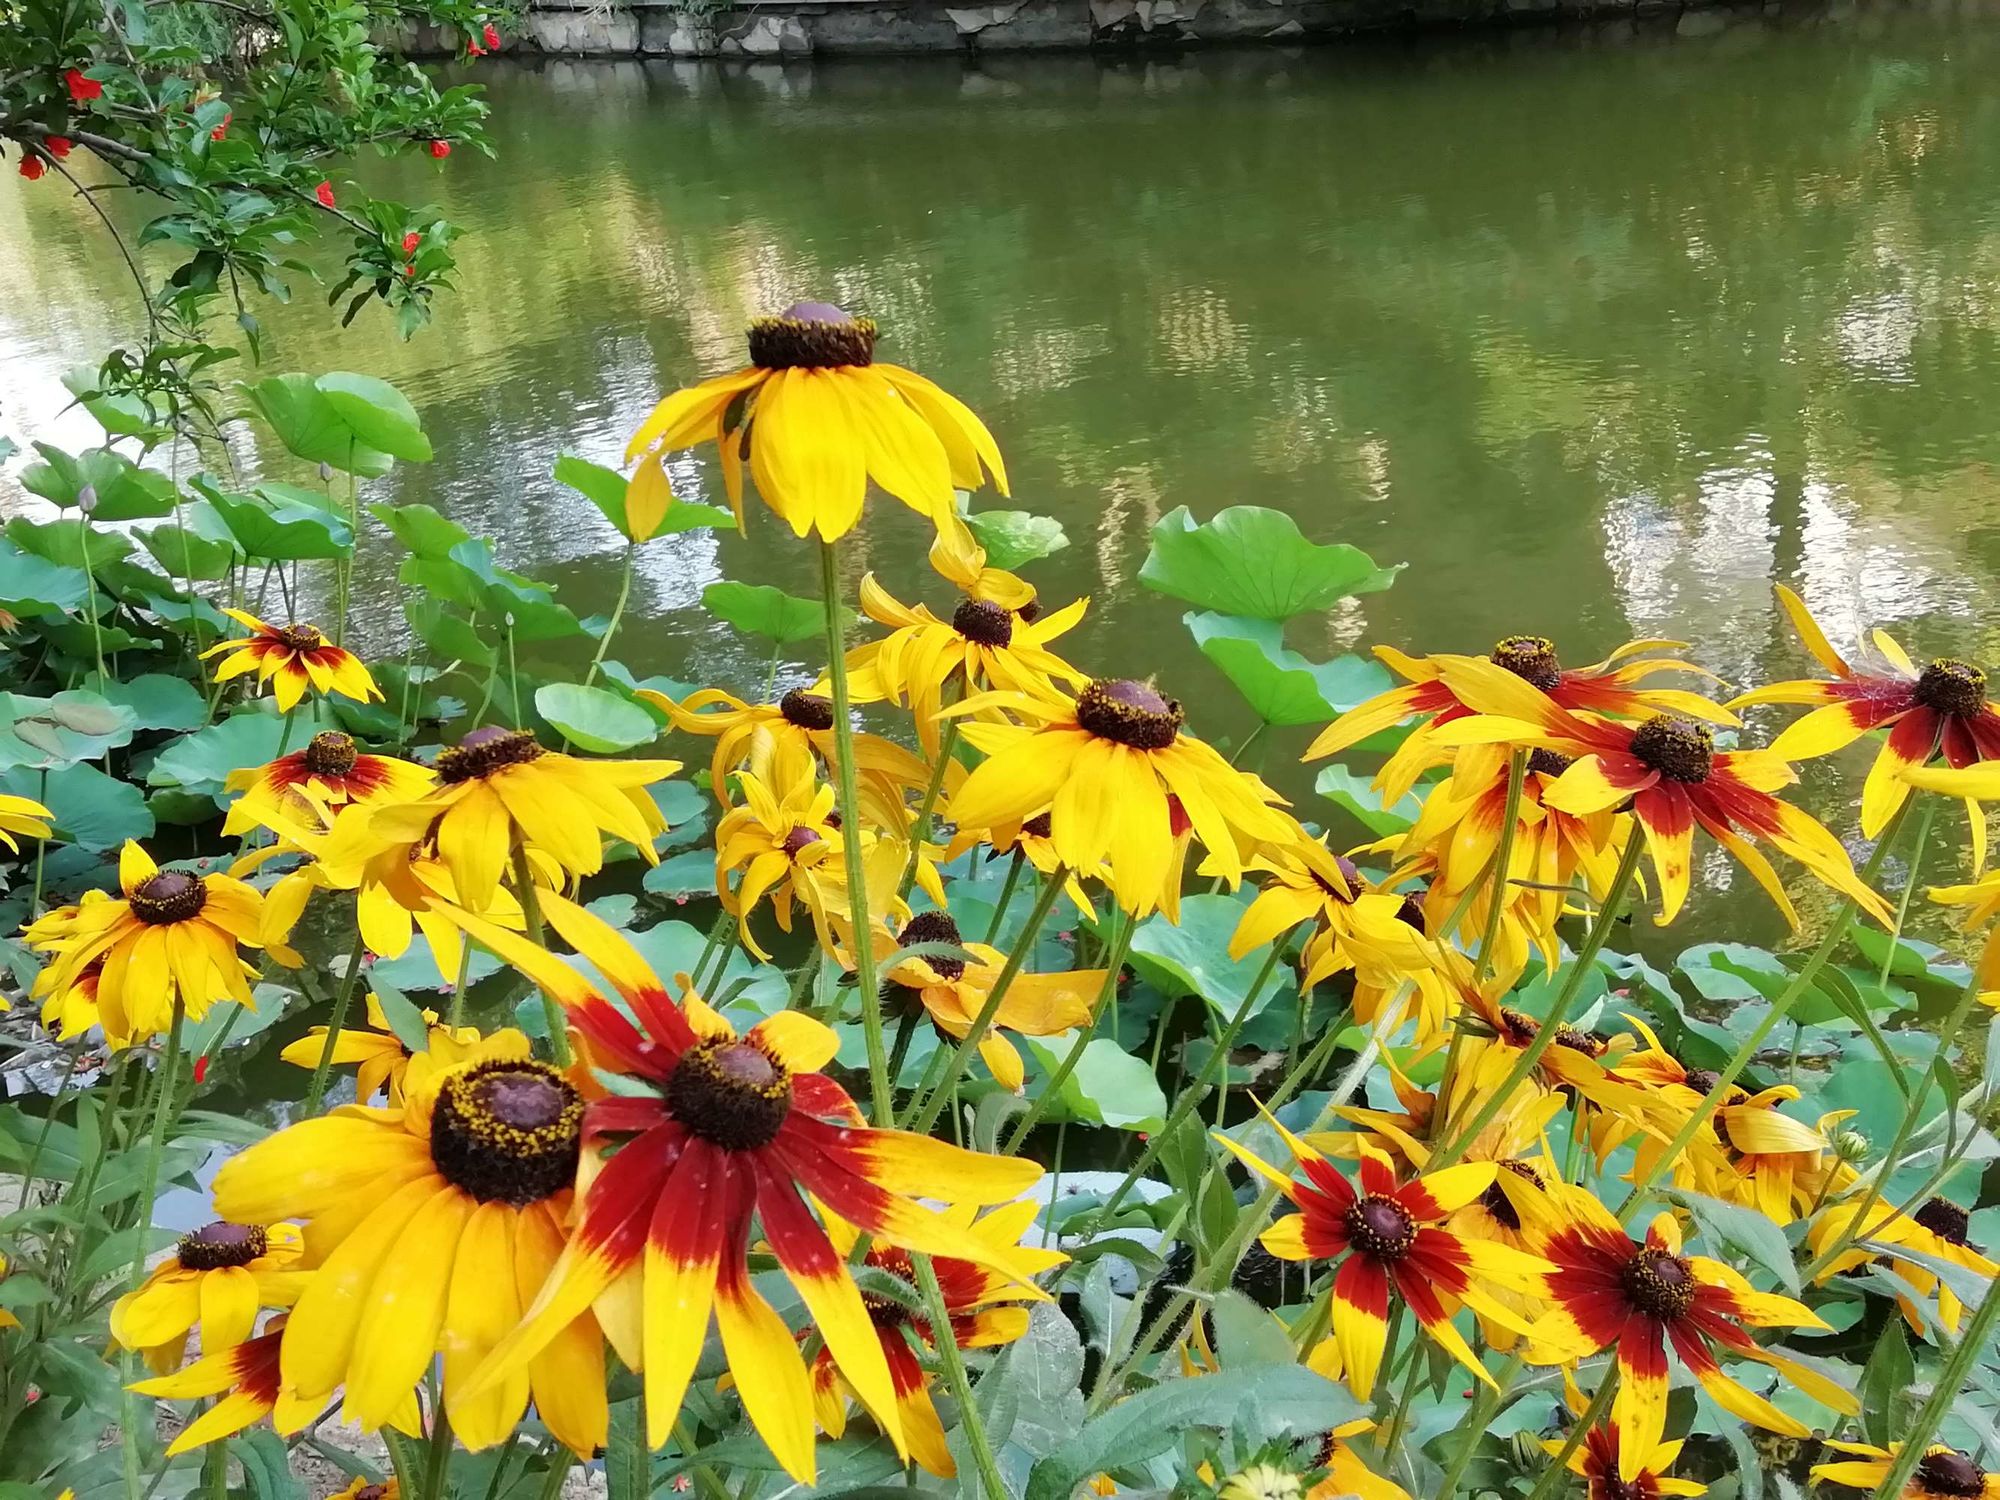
x=1589 y=1043
x=1030 y=612
x=1350 y=873
x=1129 y=713
x=220 y=1244
x=1953 y=687
x=799 y=840
x=1944 y=1219
x=330 y=753
x=372 y=1492
x=811 y=336
x=1380 y=1227
x=1658 y=1284
x=1516 y=1029
x=934 y=927
x=1701 y=1080
x=1550 y=762
x=1609 y=1486
x=168 y=897
x=300 y=637
x=806 y=710
x=1946 y=1471
x=1679 y=749
x=507 y=1131
x=1531 y=657
x=485 y=751
x=731 y=1094
x=1038 y=827
x=983 y=623
x=1495 y=1200
x=1411 y=912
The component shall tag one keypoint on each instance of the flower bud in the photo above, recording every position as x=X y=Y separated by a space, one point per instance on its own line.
x=325 y=472
x=86 y=499
x=1851 y=1146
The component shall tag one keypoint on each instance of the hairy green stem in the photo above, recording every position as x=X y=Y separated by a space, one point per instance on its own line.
x=1579 y=1430
x=617 y=614
x=970 y=1423
x=531 y=910
x=342 y=1000
x=1951 y=1380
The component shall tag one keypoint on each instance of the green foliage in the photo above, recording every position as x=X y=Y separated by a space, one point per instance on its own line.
x=1253 y=562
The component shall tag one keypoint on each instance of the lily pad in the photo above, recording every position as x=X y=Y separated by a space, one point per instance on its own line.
x=1280 y=685
x=593 y=719
x=1253 y=561
x=279 y=530
x=1014 y=537
x=1109 y=1086
x=759 y=609
x=31 y=585
x=202 y=761
x=1354 y=793
x=154 y=700
x=1193 y=958
x=90 y=809
x=65 y=541
x=377 y=414
x=311 y=426
x=609 y=491
x=422 y=528
x=186 y=555
x=120 y=489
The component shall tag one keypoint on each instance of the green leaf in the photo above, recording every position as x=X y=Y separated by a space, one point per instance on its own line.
x=120 y=413
x=760 y=609
x=202 y=761
x=153 y=700
x=1108 y=1087
x=31 y=585
x=1192 y=958
x=377 y=414
x=405 y=1020
x=184 y=554
x=1743 y=1230
x=1286 y=1399
x=312 y=428
x=1014 y=537
x=280 y=530
x=594 y=719
x=123 y=491
x=65 y=541
x=1246 y=1334
x=1354 y=793
x=1885 y=1385
x=1280 y=685
x=421 y=528
x=90 y=808
x=1252 y=561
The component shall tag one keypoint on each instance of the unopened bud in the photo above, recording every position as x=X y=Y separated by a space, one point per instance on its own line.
x=325 y=472
x=1526 y=1453
x=86 y=499
x=1851 y=1146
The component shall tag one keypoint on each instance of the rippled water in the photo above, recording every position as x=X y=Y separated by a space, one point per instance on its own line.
x=1600 y=332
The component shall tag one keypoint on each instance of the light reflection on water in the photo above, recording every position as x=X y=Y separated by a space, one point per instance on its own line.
x=1599 y=332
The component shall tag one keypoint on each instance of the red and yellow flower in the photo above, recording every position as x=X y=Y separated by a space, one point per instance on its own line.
x=294 y=660
x=726 y=1127
x=1943 y=1473
x=313 y=785
x=1596 y=1460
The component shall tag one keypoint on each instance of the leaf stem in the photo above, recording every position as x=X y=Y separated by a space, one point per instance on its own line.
x=946 y=1342
x=342 y=1000
x=617 y=614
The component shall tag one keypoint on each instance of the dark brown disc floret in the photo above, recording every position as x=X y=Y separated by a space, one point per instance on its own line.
x=300 y=637
x=1679 y=749
x=485 y=751
x=1945 y=1219
x=1550 y=762
x=934 y=927
x=732 y=1094
x=1658 y=1284
x=983 y=623
x=1380 y=1227
x=331 y=753
x=168 y=897
x=804 y=710
x=1531 y=658
x=1946 y=1471
x=1129 y=713
x=812 y=336
x=1952 y=687
x=214 y=1246
x=1495 y=1200
x=507 y=1131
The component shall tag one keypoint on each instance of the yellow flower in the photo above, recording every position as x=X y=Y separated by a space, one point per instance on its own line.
x=1937 y=1229
x=380 y=1052
x=1346 y=1474
x=817 y=418
x=220 y=1277
x=314 y=784
x=1943 y=1473
x=1120 y=781
x=782 y=842
x=7 y=1319
x=433 y=1225
x=953 y=992
x=497 y=787
x=293 y=659
x=25 y=816
x=170 y=936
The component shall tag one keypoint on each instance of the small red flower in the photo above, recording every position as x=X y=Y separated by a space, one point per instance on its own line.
x=409 y=270
x=411 y=241
x=82 y=90
x=492 y=37
x=201 y=1069
x=32 y=167
x=439 y=149
x=324 y=192
x=58 y=146
x=473 y=49
x=223 y=129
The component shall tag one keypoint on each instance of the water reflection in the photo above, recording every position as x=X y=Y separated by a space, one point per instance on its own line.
x=1600 y=330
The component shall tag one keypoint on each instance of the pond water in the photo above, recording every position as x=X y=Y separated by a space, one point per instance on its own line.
x=1600 y=332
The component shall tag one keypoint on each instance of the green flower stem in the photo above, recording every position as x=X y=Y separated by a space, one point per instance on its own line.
x=343 y=998
x=1503 y=856
x=149 y=1187
x=1190 y=1098
x=1215 y=1275
x=906 y=1030
x=437 y=1463
x=215 y=1469
x=715 y=932
x=531 y=909
x=922 y=1116
x=1951 y=1380
x=994 y=1487
x=1584 y=961
x=882 y=1098
x=617 y=614
x=460 y=982
x=1399 y=1414
x=1836 y=933
x=90 y=595
x=1006 y=894
x=1578 y=1431
x=920 y=829
x=705 y=1479
x=1114 y=964
x=560 y=1463
x=48 y=1124
x=1484 y=1408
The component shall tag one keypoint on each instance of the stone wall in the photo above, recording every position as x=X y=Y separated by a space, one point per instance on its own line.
x=797 y=28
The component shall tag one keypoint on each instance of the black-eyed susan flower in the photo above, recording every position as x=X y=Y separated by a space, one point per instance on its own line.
x=69 y=1008
x=380 y=1052
x=360 y=1487
x=1345 y=1473
x=774 y=740
x=1938 y=709
x=432 y=1225
x=953 y=992
x=1103 y=766
x=1675 y=781
x=1943 y=1473
x=1390 y=1238
x=220 y=1277
x=1938 y=1229
x=1608 y=1290
x=1610 y=687
x=1030 y=839
x=23 y=817
x=498 y=787
x=985 y=1313
x=312 y=785
x=169 y=937
x=782 y=843
x=816 y=417
x=248 y=1380
x=718 y=1128
x=292 y=659
x=1595 y=1459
